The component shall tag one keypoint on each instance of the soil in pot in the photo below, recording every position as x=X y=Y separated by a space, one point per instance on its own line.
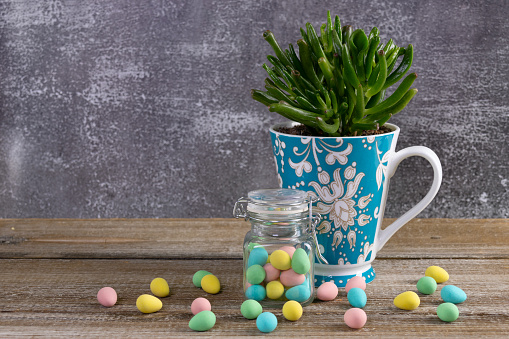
x=305 y=131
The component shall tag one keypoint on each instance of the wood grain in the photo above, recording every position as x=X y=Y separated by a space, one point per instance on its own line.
x=56 y=298
x=51 y=270
x=222 y=238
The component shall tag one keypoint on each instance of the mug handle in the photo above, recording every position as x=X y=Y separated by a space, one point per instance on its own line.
x=426 y=153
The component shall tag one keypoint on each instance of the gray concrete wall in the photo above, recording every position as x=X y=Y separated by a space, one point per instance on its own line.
x=142 y=109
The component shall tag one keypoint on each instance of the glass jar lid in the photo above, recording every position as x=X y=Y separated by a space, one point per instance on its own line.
x=280 y=201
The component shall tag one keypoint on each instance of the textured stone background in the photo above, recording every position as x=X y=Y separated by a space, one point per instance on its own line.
x=142 y=109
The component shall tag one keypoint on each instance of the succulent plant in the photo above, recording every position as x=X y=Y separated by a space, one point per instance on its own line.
x=336 y=83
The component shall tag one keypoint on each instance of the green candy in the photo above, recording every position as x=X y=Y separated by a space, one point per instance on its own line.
x=427 y=285
x=255 y=274
x=197 y=277
x=448 y=312
x=202 y=321
x=251 y=309
x=300 y=261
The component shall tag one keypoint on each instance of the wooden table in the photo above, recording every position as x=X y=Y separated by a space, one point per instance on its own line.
x=51 y=270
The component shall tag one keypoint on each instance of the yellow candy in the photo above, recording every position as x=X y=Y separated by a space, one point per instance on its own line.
x=438 y=273
x=160 y=287
x=407 y=300
x=281 y=260
x=292 y=310
x=275 y=289
x=147 y=303
x=210 y=284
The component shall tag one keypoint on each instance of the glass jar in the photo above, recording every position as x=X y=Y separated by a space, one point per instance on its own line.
x=279 y=249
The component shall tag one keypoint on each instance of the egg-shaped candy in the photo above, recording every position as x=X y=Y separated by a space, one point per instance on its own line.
x=438 y=273
x=160 y=288
x=200 y=304
x=202 y=321
x=266 y=322
x=355 y=318
x=298 y=293
x=210 y=284
x=288 y=249
x=427 y=285
x=107 y=296
x=258 y=256
x=327 y=291
x=198 y=276
x=292 y=310
x=453 y=294
x=357 y=297
x=256 y=292
x=255 y=274
x=407 y=300
x=275 y=290
x=448 y=312
x=251 y=309
x=300 y=261
x=356 y=281
x=281 y=260
x=147 y=303
x=271 y=273
x=290 y=278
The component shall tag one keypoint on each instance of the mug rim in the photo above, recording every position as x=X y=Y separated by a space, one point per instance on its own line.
x=394 y=130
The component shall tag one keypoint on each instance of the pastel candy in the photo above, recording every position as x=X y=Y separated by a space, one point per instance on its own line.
x=327 y=291
x=290 y=278
x=202 y=321
x=292 y=310
x=427 y=285
x=210 y=284
x=251 y=309
x=448 y=312
x=438 y=273
x=288 y=249
x=255 y=274
x=407 y=301
x=258 y=256
x=357 y=297
x=300 y=261
x=281 y=260
x=200 y=304
x=271 y=273
x=107 y=296
x=355 y=318
x=453 y=294
x=198 y=276
x=298 y=293
x=275 y=290
x=147 y=303
x=256 y=292
x=159 y=287
x=266 y=322
x=356 y=281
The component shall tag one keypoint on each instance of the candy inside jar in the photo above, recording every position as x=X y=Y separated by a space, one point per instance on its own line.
x=279 y=250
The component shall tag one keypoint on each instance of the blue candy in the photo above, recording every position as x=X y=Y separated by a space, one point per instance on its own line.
x=266 y=322
x=256 y=292
x=298 y=293
x=357 y=297
x=258 y=256
x=453 y=294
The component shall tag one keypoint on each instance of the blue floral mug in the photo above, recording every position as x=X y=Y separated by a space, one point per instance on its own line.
x=350 y=177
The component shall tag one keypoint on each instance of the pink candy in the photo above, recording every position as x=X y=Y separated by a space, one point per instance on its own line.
x=327 y=291
x=355 y=318
x=271 y=273
x=289 y=249
x=107 y=296
x=290 y=278
x=200 y=304
x=359 y=282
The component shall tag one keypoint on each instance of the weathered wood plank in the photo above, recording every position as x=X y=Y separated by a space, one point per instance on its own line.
x=222 y=238
x=56 y=298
